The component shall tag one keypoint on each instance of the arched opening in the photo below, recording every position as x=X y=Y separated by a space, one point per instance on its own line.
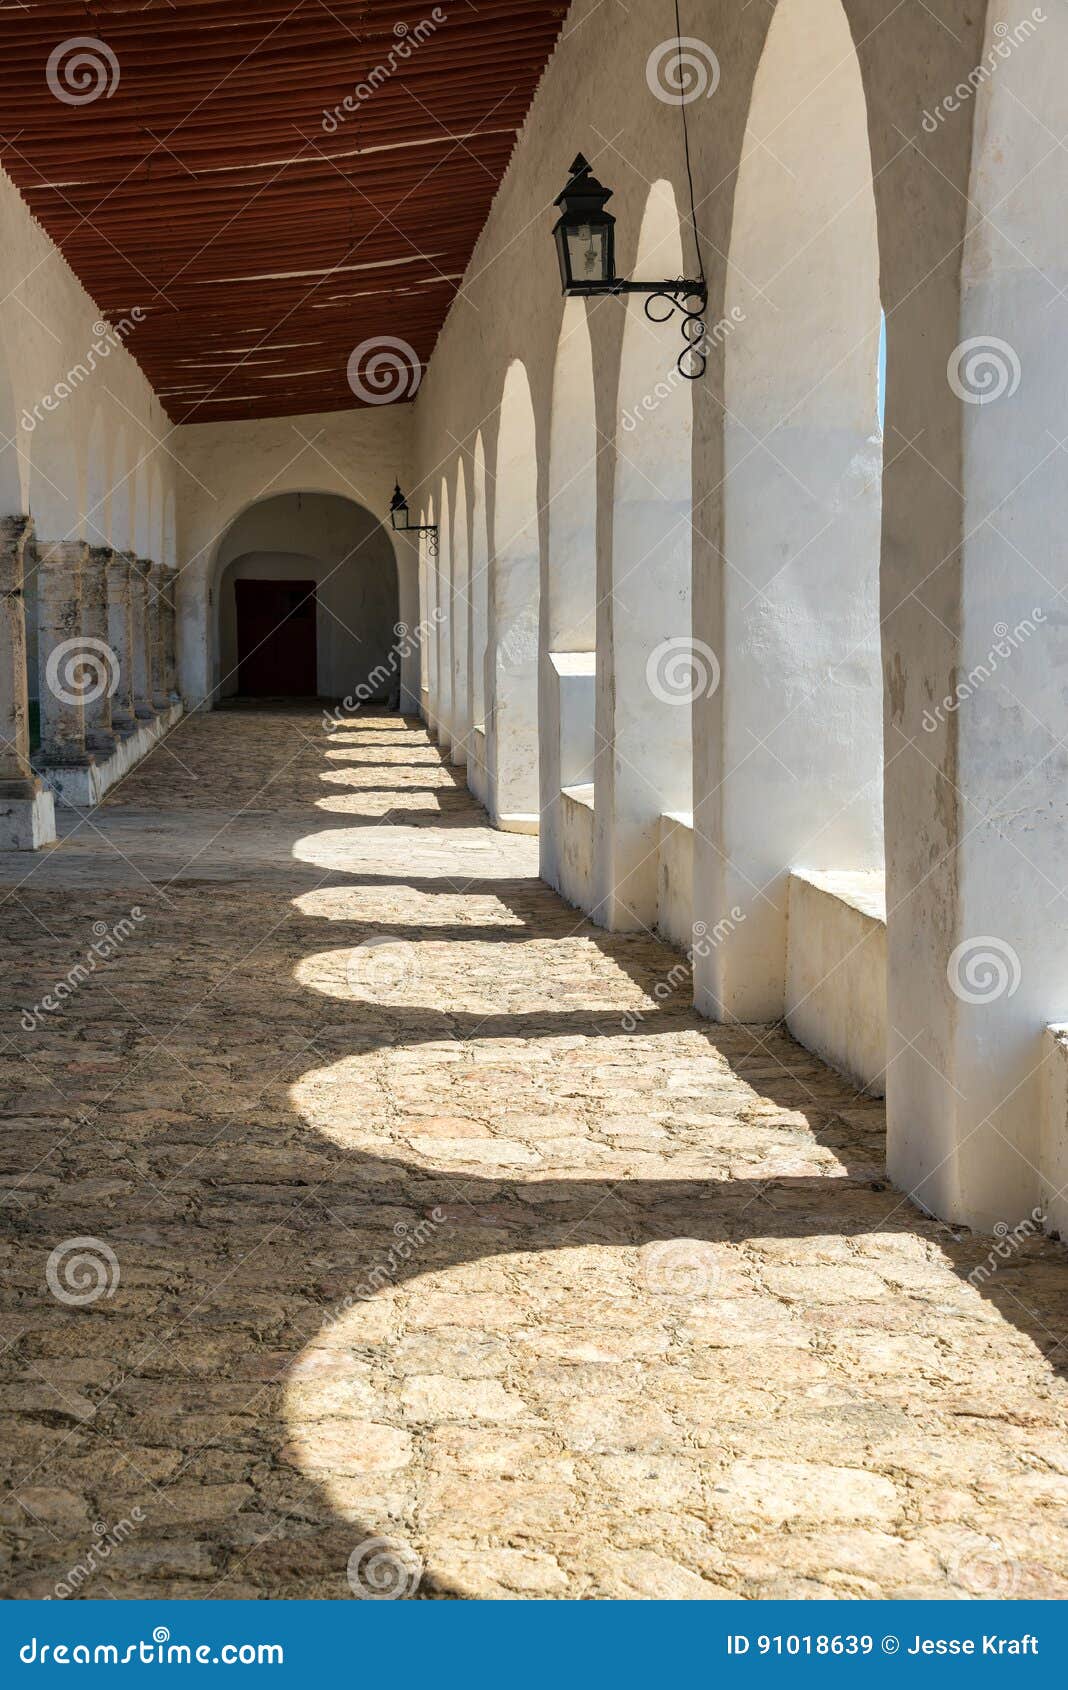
x=444 y=629
x=13 y=467
x=568 y=674
x=306 y=603
x=142 y=512
x=155 y=517
x=801 y=723
x=514 y=600
x=650 y=771
x=479 y=588
x=461 y=622
x=170 y=531
x=121 y=501
x=97 y=516
x=431 y=615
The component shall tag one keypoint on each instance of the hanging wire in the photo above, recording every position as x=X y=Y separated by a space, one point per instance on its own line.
x=686 y=150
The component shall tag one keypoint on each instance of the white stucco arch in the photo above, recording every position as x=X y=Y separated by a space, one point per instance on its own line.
x=170 y=535
x=13 y=473
x=97 y=480
x=142 y=505
x=514 y=609
x=479 y=585
x=646 y=704
x=801 y=717
x=121 y=496
x=346 y=551
x=461 y=620
x=445 y=625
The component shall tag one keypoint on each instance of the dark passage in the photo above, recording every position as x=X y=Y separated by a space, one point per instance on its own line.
x=276 y=639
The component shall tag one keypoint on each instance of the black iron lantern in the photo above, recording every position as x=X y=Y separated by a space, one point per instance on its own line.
x=585 y=233
x=399 y=520
x=585 y=246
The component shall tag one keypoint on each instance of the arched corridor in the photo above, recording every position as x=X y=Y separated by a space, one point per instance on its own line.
x=575 y=1342
x=533 y=835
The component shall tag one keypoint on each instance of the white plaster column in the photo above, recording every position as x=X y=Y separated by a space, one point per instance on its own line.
x=117 y=580
x=27 y=814
x=141 y=634
x=59 y=655
x=976 y=651
x=100 y=659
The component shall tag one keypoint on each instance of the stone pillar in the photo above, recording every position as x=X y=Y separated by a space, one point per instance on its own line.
x=100 y=659
x=120 y=639
x=27 y=813
x=141 y=624
x=63 y=678
x=158 y=609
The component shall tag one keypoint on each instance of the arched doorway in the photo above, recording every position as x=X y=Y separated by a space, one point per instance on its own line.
x=649 y=703
x=306 y=603
x=461 y=622
x=568 y=669
x=514 y=600
x=800 y=730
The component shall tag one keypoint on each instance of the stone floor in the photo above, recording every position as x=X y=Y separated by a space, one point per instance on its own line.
x=352 y=1242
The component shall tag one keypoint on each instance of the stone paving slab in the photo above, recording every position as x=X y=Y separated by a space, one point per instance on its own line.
x=401 y=1248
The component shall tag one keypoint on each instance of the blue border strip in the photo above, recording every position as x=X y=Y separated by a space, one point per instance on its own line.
x=536 y=1644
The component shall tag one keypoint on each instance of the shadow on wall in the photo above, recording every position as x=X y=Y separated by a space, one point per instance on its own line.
x=343 y=549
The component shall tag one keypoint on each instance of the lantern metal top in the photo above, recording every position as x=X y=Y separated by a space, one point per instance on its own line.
x=398 y=507
x=585 y=245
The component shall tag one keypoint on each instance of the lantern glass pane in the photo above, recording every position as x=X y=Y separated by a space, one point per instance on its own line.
x=588 y=250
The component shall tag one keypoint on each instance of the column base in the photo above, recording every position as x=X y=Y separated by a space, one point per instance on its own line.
x=144 y=713
x=99 y=743
x=75 y=784
x=27 y=823
x=80 y=786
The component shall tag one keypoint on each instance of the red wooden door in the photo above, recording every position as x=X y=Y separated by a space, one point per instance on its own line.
x=276 y=654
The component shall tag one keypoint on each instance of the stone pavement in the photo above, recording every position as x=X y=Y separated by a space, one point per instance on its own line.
x=350 y=1240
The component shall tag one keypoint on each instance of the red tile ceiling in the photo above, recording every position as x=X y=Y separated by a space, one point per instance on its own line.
x=186 y=169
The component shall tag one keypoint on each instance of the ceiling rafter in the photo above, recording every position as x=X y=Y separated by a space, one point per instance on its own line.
x=208 y=184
